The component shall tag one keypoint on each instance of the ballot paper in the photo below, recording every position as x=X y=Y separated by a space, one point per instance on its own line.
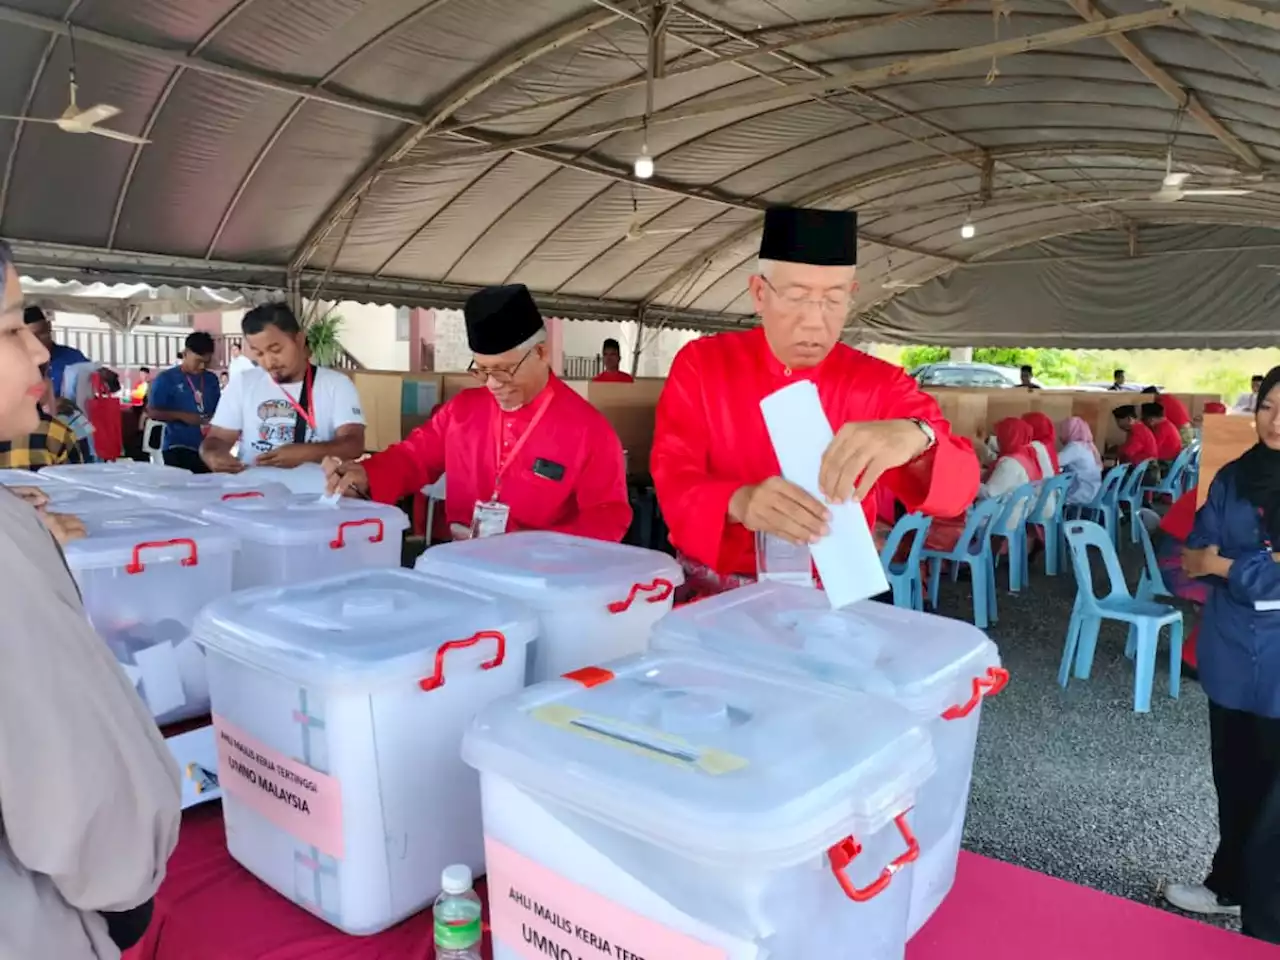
x=847 y=559
x=161 y=678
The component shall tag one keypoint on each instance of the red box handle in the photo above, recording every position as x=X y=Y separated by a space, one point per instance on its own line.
x=192 y=559
x=848 y=849
x=437 y=678
x=663 y=587
x=244 y=495
x=340 y=540
x=997 y=679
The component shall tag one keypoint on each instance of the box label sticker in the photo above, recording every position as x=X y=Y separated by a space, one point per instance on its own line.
x=303 y=802
x=538 y=914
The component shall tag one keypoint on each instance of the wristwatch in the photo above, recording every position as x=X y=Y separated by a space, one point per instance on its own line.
x=931 y=438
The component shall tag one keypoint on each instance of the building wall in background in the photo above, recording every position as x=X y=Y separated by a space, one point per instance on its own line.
x=377 y=337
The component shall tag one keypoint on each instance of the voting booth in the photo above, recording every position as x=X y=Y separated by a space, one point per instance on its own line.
x=144 y=574
x=594 y=600
x=687 y=807
x=338 y=708
x=936 y=668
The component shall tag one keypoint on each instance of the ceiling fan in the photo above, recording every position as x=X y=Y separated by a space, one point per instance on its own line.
x=1173 y=188
x=87 y=120
x=636 y=230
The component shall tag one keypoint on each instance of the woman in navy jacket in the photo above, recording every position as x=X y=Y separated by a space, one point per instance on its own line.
x=1233 y=548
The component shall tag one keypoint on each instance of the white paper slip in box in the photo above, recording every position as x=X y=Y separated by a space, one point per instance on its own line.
x=847 y=559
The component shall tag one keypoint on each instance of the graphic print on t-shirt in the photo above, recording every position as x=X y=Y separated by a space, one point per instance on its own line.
x=276 y=421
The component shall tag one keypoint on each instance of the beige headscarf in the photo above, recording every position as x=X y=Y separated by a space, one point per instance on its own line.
x=89 y=794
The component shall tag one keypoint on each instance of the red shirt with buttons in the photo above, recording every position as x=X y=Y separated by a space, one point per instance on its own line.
x=568 y=476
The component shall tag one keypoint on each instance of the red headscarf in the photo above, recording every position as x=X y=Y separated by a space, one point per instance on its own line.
x=1042 y=429
x=1014 y=437
x=1214 y=406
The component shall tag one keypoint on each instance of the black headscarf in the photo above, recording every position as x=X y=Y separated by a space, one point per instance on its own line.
x=1258 y=471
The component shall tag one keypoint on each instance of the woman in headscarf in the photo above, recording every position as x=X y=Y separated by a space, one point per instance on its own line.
x=1016 y=465
x=1044 y=441
x=89 y=793
x=1079 y=459
x=1232 y=547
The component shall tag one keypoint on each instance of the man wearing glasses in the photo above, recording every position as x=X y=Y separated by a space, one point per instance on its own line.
x=714 y=469
x=525 y=453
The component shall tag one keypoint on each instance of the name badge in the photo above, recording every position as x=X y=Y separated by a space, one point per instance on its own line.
x=489 y=519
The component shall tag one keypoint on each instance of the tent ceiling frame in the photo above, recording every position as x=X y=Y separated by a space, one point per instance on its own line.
x=930 y=63
x=392 y=157
x=1184 y=98
x=867 y=179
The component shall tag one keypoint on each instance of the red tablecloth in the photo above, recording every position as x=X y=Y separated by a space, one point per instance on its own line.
x=211 y=909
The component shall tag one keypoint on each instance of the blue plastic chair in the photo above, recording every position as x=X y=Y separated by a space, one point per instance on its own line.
x=1151 y=582
x=1132 y=494
x=904 y=576
x=1106 y=505
x=1047 y=514
x=1012 y=525
x=1174 y=481
x=973 y=548
x=1146 y=618
x=1191 y=476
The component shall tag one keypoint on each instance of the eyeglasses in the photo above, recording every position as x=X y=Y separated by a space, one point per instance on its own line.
x=499 y=374
x=795 y=302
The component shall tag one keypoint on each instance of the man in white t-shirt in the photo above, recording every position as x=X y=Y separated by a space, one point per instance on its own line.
x=286 y=411
x=239 y=363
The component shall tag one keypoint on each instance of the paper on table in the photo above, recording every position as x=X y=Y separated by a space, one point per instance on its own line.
x=161 y=679
x=847 y=559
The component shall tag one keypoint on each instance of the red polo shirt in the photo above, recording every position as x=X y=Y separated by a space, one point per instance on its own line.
x=1175 y=411
x=1141 y=445
x=1168 y=440
x=567 y=476
x=613 y=376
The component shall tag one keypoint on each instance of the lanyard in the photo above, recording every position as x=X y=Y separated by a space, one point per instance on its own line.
x=196 y=393
x=503 y=464
x=307 y=395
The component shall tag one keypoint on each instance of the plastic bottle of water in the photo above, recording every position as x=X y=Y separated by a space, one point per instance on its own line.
x=457 y=916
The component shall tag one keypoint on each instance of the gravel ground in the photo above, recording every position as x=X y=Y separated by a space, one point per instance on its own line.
x=1072 y=782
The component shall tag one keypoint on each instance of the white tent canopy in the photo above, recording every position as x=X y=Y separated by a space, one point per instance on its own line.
x=124 y=306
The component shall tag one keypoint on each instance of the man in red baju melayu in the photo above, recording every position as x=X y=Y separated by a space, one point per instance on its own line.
x=526 y=453
x=714 y=469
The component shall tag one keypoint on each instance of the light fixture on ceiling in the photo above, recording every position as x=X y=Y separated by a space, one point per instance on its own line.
x=643 y=166
x=968 y=230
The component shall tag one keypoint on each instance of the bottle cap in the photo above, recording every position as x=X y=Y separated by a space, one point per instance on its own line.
x=456 y=879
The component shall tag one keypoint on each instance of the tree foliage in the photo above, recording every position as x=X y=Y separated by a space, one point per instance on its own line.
x=1224 y=372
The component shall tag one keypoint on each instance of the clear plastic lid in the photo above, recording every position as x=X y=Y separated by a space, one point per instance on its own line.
x=538 y=564
x=178 y=491
x=98 y=474
x=27 y=478
x=361 y=629
x=66 y=497
x=75 y=499
x=709 y=759
x=299 y=519
x=924 y=662
x=135 y=538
